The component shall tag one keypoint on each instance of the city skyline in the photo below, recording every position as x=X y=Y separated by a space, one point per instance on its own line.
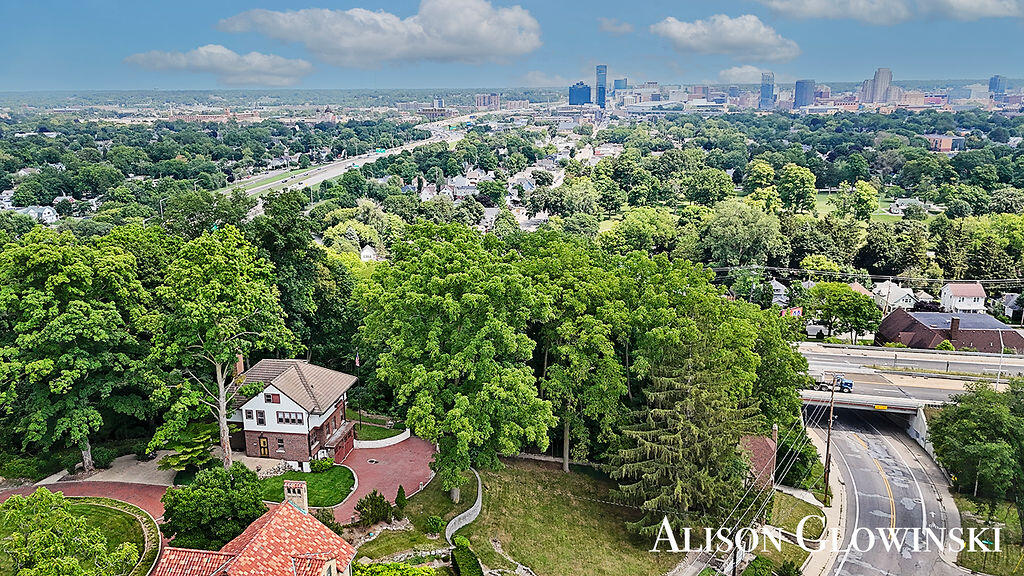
x=101 y=44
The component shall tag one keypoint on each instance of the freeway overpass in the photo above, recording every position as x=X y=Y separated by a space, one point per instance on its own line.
x=926 y=375
x=868 y=402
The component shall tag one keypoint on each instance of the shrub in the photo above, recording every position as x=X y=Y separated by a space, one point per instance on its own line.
x=435 y=524
x=945 y=345
x=373 y=508
x=400 y=499
x=326 y=517
x=759 y=567
x=895 y=345
x=103 y=457
x=142 y=451
x=464 y=560
x=18 y=467
x=789 y=568
x=321 y=465
x=217 y=506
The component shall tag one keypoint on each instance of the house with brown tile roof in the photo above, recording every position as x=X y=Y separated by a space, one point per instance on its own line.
x=297 y=416
x=286 y=541
x=980 y=332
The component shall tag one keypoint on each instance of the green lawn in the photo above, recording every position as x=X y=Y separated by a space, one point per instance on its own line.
x=554 y=523
x=432 y=501
x=789 y=551
x=323 y=488
x=976 y=513
x=116 y=526
x=371 y=432
x=787 y=512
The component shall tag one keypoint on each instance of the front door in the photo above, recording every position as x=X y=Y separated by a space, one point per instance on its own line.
x=264 y=448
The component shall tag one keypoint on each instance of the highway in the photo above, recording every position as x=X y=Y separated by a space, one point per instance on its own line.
x=890 y=483
x=318 y=174
x=890 y=371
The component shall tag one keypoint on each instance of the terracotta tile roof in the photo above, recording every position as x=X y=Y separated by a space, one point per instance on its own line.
x=313 y=387
x=283 y=542
x=185 y=562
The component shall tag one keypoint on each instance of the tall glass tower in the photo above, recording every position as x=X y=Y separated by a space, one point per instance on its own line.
x=767 y=99
x=601 y=87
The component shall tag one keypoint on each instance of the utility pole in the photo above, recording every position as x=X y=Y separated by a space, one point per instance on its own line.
x=828 y=440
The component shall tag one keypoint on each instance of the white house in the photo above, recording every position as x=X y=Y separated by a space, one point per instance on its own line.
x=962 y=297
x=298 y=415
x=368 y=253
x=889 y=296
x=42 y=214
x=780 y=294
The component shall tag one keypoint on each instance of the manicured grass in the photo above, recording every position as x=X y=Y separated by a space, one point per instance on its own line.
x=432 y=501
x=435 y=501
x=323 y=488
x=371 y=432
x=394 y=541
x=116 y=526
x=789 y=551
x=975 y=513
x=555 y=523
x=788 y=511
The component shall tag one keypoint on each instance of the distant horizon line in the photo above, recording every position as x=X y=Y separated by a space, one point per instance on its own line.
x=478 y=88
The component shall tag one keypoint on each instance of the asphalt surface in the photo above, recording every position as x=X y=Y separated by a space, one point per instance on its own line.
x=898 y=372
x=438 y=133
x=890 y=483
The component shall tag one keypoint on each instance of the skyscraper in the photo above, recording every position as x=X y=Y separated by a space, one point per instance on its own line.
x=880 y=85
x=803 y=94
x=579 y=94
x=620 y=84
x=997 y=85
x=602 y=85
x=767 y=100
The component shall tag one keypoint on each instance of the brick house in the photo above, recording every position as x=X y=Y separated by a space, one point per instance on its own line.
x=286 y=541
x=980 y=332
x=298 y=415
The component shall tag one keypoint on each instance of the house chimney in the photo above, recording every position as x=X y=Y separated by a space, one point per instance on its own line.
x=954 y=327
x=239 y=365
x=295 y=493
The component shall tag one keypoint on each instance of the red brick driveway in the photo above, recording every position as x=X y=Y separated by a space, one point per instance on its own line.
x=145 y=496
x=406 y=463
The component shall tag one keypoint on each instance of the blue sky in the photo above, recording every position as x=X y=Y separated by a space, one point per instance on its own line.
x=190 y=44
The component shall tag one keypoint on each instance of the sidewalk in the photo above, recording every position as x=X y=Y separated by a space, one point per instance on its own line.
x=820 y=561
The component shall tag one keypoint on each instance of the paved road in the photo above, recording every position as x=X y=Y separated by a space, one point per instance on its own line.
x=439 y=133
x=900 y=358
x=873 y=370
x=890 y=483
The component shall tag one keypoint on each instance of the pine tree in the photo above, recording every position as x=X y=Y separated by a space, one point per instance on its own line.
x=681 y=457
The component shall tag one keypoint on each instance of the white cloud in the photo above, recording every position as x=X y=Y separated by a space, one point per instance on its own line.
x=745 y=74
x=871 y=11
x=442 y=30
x=972 y=9
x=254 y=68
x=743 y=37
x=896 y=11
x=615 y=27
x=538 y=79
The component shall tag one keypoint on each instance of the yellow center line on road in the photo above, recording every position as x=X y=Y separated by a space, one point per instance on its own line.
x=888 y=488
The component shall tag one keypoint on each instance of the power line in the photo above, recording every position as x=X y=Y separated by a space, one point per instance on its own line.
x=855 y=275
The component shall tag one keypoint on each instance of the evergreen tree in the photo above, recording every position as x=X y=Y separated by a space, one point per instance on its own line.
x=680 y=458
